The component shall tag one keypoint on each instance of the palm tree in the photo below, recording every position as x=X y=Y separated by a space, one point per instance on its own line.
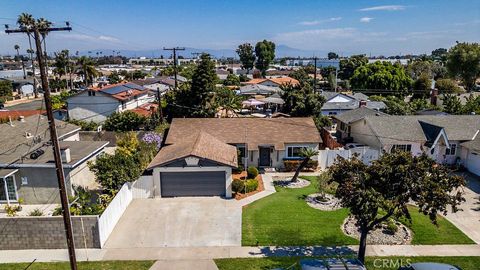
x=307 y=154
x=26 y=22
x=86 y=67
x=17 y=48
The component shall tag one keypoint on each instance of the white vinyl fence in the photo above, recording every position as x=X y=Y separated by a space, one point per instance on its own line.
x=143 y=188
x=114 y=211
x=140 y=189
x=327 y=157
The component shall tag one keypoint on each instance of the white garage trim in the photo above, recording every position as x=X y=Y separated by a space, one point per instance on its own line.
x=227 y=170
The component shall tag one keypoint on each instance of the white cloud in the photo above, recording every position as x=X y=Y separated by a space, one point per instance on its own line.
x=366 y=19
x=317 y=22
x=387 y=8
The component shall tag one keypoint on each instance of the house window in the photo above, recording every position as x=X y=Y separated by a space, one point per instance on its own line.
x=294 y=151
x=124 y=106
x=342 y=126
x=91 y=93
x=452 y=150
x=402 y=147
x=7 y=188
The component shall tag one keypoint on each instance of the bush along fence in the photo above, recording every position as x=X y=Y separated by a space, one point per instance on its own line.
x=89 y=231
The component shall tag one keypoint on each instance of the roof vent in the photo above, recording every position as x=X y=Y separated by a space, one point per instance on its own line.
x=21 y=118
x=65 y=154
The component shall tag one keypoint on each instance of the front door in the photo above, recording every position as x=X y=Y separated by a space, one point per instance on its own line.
x=264 y=159
x=8 y=190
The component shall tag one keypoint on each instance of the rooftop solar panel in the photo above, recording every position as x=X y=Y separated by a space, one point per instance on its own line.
x=135 y=86
x=115 y=90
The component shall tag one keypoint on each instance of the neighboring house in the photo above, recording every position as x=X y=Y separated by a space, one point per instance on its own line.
x=338 y=103
x=96 y=104
x=347 y=119
x=471 y=155
x=430 y=112
x=222 y=73
x=259 y=89
x=274 y=81
x=440 y=137
x=163 y=83
x=201 y=152
x=146 y=109
x=27 y=168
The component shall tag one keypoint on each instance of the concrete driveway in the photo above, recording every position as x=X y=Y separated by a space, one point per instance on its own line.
x=468 y=220
x=178 y=222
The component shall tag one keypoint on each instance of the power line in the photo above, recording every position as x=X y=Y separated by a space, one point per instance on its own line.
x=175 y=49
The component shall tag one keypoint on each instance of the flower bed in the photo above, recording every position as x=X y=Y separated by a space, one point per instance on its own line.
x=243 y=175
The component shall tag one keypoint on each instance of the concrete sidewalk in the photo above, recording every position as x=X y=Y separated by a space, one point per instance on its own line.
x=208 y=253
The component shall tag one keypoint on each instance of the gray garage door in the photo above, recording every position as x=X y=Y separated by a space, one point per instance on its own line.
x=177 y=184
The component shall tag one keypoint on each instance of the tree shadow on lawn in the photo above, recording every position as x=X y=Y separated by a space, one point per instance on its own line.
x=313 y=251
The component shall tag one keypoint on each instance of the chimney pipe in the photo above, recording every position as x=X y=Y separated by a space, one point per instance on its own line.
x=65 y=154
x=362 y=103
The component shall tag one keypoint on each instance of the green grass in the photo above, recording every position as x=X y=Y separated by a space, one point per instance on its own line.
x=425 y=233
x=284 y=218
x=391 y=263
x=103 y=265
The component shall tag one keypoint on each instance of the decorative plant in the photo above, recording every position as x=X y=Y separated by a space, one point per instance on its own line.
x=12 y=210
x=36 y=213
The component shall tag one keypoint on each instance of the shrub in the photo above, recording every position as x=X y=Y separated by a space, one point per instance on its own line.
x=12 y=210
x=252 y=172
x=238 y=169
x=251 y=185
x=292 y=165
x=124 y=121
x=238 y=185
x=36 y=213
x=391 y=226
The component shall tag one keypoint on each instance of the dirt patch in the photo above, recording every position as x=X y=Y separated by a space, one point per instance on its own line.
x=261 y=187
x=286 y=182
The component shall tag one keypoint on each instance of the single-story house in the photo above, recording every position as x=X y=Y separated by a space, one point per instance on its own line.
x=259 y=89
x=338 y=103
x=199 y=153
x=96 y=104
x=346 y=119
x=27 y=168
x=442 y=137
x=274 y=81
x=163 y=84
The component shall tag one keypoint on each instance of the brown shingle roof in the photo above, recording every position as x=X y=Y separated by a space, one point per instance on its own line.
x=203 y=146
x=252 y=131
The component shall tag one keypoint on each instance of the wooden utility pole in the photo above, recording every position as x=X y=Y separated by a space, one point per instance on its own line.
x=315 y=74
x=175 y=49
x=53 y=132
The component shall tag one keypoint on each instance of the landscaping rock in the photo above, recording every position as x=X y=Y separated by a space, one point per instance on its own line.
x=331 y=203
x=287 y=183
x=380 y=235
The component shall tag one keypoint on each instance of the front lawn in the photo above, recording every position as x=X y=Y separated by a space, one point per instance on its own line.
x=102 y=265
x=383 y=263
x=284 y=218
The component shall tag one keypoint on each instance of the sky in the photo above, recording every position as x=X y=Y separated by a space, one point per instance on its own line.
x=346 y=27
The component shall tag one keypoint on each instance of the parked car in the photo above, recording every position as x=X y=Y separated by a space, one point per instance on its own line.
x=430 y=266
x=354 y=145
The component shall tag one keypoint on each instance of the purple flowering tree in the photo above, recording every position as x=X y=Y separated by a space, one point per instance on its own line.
x=153 y=138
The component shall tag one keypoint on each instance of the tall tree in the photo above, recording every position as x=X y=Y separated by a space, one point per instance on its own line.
x=378 y=192
x=381 y=75
x=302 y=101
x=26 y=22
x=440 y=54
x=61 y=63
x=451 y=104
x=17 y=48
x=464 y=62
x=348 y=66
x=265 y=52
x=332 y=55
x=247 y=57
x=86 y=67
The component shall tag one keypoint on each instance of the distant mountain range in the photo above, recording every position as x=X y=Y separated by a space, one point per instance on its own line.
x=280 y=51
